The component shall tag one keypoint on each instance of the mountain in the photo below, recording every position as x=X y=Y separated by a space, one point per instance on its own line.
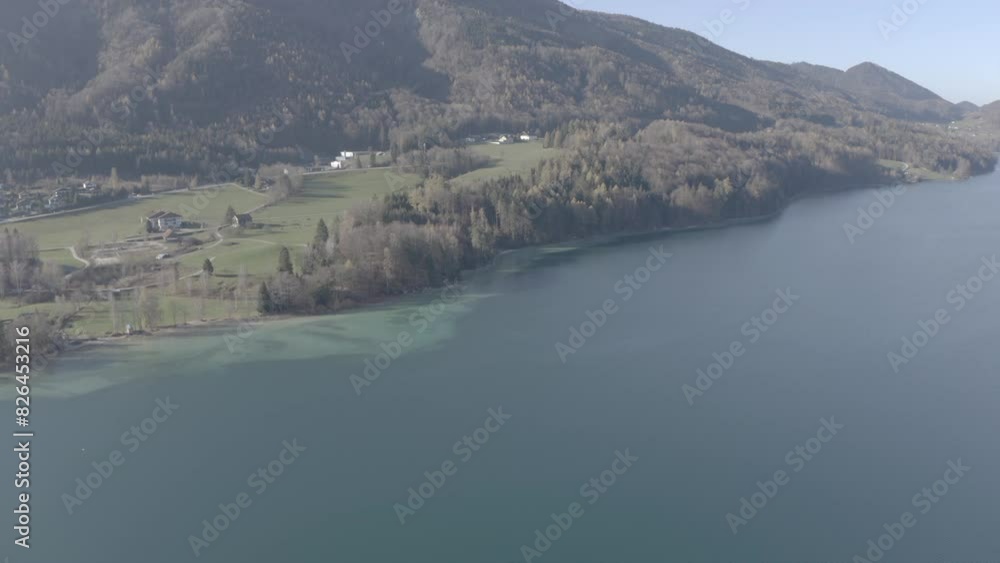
x=967 y=107
x=180 y=86
x=991 y=113
x=883 y=91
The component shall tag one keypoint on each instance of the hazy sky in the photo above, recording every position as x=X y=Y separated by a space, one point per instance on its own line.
x=949 y=46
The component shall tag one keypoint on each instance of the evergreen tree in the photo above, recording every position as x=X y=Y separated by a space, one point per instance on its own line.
x=265 y=305
x=285 y=261
x=207 y=267
x=322 y=235
x=230 y=215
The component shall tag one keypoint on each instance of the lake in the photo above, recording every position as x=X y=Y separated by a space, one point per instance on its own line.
x=779 y=391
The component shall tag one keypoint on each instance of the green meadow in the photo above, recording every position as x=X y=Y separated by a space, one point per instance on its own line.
x=290 y=222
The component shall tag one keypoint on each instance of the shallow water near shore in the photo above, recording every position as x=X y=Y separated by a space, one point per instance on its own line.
x=824 y=357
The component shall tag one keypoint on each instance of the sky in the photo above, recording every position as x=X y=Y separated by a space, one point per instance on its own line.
x=948 y=46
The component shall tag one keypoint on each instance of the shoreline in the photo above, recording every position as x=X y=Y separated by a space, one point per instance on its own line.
x=200 y=327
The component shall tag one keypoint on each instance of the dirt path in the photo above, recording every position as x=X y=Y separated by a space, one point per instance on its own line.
x=86 y=263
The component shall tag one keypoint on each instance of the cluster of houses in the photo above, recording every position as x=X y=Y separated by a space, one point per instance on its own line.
x=37 y=200
x=501 y=139
x=167 y=221
x=340 y=162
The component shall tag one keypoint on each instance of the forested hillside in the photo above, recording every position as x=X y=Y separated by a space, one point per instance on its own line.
x=180 y=87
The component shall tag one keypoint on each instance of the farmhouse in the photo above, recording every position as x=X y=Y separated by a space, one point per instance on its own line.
x=164 y=221
x=242 y=220
x=59 y=199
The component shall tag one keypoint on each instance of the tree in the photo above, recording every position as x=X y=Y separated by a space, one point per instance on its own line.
x=207 y=267
x=230 y=215
x=371 y=159
x=322 y=235
x=83 y=245
x=115 y=183
x=285 y=261
x=149 y=308
x=114 y=312
x=18 y=268
x=265 y=305
x=241 y=284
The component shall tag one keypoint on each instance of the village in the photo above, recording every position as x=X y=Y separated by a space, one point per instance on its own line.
x=25 y=202
x=111 y=252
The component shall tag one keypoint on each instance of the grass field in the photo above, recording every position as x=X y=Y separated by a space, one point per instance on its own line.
x=507 y=160
x=291 y=222
x=916 y=173
x=123 y=219
x=62 y=257
x=94 y=319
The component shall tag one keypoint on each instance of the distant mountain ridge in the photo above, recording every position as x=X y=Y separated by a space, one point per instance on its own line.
x=885 y=92
x=210 y=74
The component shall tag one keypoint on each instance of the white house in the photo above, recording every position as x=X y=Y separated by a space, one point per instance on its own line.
x=164 y=220
x=347 y=154
x=337 y=165
x=242 y=220
x=527 y=137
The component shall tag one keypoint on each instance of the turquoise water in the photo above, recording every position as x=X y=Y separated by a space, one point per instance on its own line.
x=821 y=353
